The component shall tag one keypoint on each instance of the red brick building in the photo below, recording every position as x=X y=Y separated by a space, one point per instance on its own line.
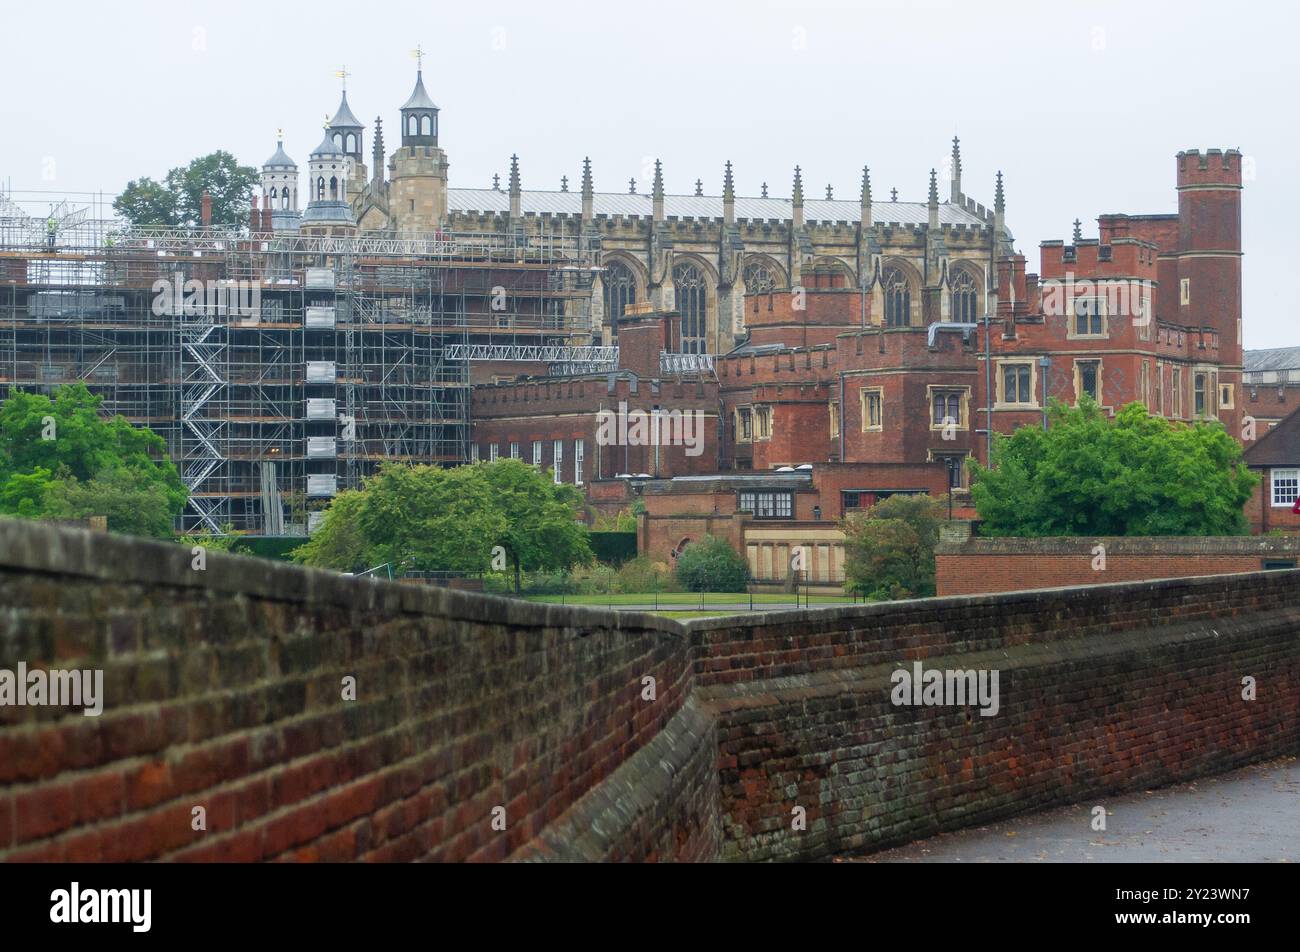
x=1275 y=456
x=915 y=366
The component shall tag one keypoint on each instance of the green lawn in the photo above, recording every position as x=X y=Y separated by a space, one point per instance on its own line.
x=692 y=599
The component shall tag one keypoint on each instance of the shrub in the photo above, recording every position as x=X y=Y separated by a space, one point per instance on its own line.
x=889 y=550
x=711 y=565
x=643 y=575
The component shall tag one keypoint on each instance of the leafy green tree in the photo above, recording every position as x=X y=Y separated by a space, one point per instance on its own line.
x=134 y=502
x=431 y=518
x=711 y=565
x=541 y=532
x=146 y=202
x=178 y=199
x=339 y=542
x=59 y=459
x=435 y=519
x=210 y=540
x=889 y=549
x=622 y=521
x=1136 y=474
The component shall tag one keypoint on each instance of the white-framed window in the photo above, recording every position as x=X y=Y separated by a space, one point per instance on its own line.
x=558 y=460
x=492 y=452
x=514 y=451
x=1286 y=485
x=473 y=452
x=579 y=456
x=537 y=453
x=767 y=505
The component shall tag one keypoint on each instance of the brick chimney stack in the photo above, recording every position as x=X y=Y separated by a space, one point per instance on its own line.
x=205 y=209
x=642 y=334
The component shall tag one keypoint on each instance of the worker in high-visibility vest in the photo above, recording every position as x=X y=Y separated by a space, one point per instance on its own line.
x=51 y=231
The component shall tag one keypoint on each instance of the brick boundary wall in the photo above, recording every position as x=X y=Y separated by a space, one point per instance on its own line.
x=223 y=689
x=978 y=565
x=1103 y=689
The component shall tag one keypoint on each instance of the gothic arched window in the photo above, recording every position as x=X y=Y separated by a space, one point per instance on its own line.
x=692 y=303
x=965 y=297
x=426 y=126
x=412 y=126
x=284 y=197
x=352 y=142
x=338 y=140
x=320 y=188
x=759 y=278
x=898 y=298
x=620 y=291
x=274 y=194
x=334 y=187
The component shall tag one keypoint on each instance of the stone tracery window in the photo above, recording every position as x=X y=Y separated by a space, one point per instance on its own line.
x=692 y=303
x=620 y=291
x=898 y=298
x=965 y=297
x=759 y=278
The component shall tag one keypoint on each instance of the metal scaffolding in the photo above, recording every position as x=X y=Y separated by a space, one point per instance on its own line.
x=280 y=369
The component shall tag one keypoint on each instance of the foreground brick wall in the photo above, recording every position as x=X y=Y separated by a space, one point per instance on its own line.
x=223 y=690
x=1010 y=565
x=1102 y=690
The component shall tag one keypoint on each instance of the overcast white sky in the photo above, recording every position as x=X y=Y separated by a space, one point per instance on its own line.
x=1081 y=104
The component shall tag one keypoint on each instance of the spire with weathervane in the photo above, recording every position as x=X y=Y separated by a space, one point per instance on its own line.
x=419 y=114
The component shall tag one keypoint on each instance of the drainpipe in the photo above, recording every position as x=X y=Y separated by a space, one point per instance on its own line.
x=841 y=416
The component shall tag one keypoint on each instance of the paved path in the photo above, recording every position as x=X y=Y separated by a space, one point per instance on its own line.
x=1249 y=815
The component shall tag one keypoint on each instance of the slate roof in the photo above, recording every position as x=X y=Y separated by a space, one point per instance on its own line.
x=609 y=204
x=343 y=119
x=419 y=97
x=1280 y=446
x=1274 y=358
x=280 y=158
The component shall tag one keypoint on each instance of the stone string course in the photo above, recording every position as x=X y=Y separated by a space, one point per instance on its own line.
x=224 y=690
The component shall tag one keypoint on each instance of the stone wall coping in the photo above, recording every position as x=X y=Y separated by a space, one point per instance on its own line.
x=1060 y=596
x=63 y=550
x=1123 y=545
